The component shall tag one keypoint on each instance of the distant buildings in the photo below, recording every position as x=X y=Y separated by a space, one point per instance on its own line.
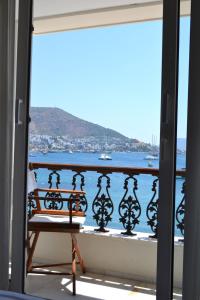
x=92 y=144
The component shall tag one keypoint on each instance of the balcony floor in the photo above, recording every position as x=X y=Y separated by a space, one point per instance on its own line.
x=89 y=286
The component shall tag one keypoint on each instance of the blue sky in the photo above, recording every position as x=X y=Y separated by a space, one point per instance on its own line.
x=110 y=76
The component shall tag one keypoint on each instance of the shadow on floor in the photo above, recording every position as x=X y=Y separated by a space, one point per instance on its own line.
x=90 y=286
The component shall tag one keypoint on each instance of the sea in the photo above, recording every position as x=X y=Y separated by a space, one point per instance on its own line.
x=116 y=190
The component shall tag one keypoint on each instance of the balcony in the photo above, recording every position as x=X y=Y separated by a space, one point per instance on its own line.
x=92 y=286
x=118 y=241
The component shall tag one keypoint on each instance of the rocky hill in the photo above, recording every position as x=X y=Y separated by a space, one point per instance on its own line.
x=57 y=122
x=54 y=130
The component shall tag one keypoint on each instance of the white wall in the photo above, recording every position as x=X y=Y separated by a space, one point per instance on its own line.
x=110 y=253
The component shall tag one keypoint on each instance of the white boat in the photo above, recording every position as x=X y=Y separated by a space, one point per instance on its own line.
x=151 y=157
x=32 y=155
x=44 y=152
x=105 y=156
x=154 y=154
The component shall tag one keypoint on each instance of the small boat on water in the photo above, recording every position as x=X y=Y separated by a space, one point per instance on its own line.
x=44 y=152
x=105 y=156
x=154 y=153
x=152 y=157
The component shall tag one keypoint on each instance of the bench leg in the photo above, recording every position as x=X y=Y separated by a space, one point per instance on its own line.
x=82 y=265
x=73 y=269
x=31 y=250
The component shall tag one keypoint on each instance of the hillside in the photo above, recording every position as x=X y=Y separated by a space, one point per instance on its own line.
x=57 y=122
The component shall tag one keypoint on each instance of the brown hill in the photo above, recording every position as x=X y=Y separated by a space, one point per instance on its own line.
x=57 y=122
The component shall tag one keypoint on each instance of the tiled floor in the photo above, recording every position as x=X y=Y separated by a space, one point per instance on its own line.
x=89 y=286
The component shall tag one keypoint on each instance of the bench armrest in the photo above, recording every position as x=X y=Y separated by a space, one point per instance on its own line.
x=74 y=192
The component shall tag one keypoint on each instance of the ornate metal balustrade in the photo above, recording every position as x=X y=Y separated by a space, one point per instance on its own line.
x=102 y=206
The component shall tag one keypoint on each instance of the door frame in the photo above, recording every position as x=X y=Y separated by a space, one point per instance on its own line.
x=169 y=95
x=21 y=145
x=7 y=75
x=168 y=136
x=191 y=260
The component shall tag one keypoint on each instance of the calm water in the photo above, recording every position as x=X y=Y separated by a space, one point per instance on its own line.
x=144 y=192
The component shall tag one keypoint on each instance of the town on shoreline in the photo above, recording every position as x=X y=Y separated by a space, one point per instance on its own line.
x=41 y=143
x=47 y=143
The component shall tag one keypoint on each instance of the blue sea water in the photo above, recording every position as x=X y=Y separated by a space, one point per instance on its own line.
x=131 y=159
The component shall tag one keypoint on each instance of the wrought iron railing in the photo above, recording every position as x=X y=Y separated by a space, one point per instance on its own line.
x=102 y=205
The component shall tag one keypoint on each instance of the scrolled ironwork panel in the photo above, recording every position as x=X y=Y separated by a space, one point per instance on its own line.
x=31 y=202
x=102 y=205
x=129 y=207
x=83 y=204
x=152 y=210
x=57 y=204
x=54 y=179
x=180 y=212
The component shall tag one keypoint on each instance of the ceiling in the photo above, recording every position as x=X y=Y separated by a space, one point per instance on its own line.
x=61 y=15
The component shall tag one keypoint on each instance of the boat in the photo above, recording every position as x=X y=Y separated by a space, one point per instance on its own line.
x=152 y=157
x=154 y=154
x=105 y=156
x=32 y=155
x=44 y=152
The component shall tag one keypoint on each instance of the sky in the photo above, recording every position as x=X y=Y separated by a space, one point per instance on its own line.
x=110 y=76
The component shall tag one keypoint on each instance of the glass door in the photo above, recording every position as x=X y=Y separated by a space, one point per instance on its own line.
x=167 y=167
